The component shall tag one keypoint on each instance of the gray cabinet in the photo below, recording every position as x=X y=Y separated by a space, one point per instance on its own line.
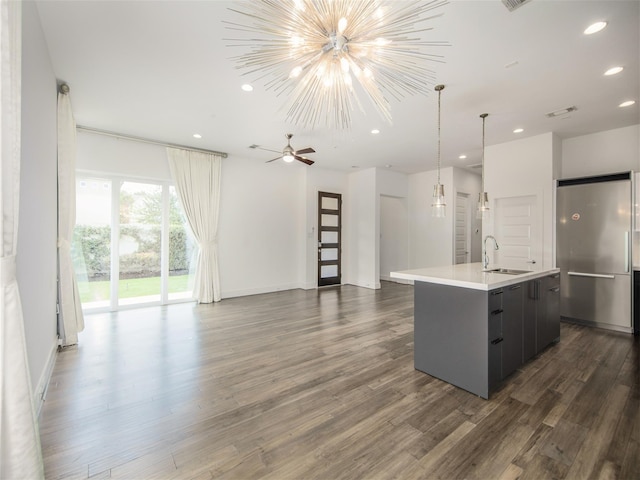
x=529 y=319
x=505 y=332
x=548 y=326
x=512 y=329
x=541 y=314
x=474 y=339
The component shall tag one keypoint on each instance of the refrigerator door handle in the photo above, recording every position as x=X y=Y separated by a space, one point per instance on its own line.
x=626 y=252
x=592 y=275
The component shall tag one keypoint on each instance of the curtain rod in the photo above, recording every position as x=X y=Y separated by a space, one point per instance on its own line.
x=146 y=140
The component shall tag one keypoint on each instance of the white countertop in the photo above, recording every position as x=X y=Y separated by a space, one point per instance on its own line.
x=468 y=275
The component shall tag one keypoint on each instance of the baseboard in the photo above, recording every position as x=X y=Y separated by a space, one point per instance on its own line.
x=40 y=392
x=388 y=278
x=375 y=286
x=260 y=290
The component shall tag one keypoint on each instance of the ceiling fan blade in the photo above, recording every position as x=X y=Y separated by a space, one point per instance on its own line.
x=273 y=159
x=303 y=160
x=258 y=147
x=305 y=150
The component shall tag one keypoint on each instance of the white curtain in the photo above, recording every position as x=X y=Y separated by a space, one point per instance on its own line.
x=70 y=319
x=197 y=179
x=20 y=455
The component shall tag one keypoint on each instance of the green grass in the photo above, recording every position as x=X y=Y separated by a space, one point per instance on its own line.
x=130 y=288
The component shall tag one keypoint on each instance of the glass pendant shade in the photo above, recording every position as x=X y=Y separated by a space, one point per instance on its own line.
x=483 y=206
x=438 y=207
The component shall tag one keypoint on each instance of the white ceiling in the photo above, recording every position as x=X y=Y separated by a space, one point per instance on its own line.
x=162 y=70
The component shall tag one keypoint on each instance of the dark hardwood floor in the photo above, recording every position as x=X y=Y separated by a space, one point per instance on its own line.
x=321 y=384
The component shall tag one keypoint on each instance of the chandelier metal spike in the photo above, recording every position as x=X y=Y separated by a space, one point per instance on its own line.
x=320 y=53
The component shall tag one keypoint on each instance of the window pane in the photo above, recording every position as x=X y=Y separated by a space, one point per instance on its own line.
x=91 y=248
x=329 y=237
x=329 y=220
x=329 y=254
x=182 y=251
x=329 y=203
x=328 y=271
x=140 y=243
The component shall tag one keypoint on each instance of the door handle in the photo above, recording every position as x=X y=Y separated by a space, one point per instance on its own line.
x=591 y=275
x=626 y=252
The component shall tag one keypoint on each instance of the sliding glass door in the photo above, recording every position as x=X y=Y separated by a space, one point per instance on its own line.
x=132 y=244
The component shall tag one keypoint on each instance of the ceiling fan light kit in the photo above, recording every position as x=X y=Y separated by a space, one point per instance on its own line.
x=314 y=51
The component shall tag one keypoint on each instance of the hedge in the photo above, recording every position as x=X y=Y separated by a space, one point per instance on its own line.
x=92 y=247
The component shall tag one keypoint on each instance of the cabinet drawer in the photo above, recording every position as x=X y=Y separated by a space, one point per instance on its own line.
x=495 y=300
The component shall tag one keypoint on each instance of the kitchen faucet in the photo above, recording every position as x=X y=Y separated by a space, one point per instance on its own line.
x=485 y=257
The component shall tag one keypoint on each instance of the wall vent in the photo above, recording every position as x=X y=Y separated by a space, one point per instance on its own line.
x=513 y=4
x=563 y=111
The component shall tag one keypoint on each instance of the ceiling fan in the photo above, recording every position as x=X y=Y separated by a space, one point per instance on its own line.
x=289 y=154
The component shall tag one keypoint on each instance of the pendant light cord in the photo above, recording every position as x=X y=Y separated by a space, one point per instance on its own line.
x=483 y=116
x=439 y=88
x=483 y=119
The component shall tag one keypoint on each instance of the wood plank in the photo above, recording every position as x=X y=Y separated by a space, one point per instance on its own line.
x=321 y=384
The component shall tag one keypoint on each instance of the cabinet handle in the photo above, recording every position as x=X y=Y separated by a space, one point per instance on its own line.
x=497 y=341
x=497 y=293
x=591 y=275
x=497 y=312
x=554 y=289
x=515 y=287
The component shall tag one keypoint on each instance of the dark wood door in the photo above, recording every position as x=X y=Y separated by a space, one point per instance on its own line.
x=329 y=239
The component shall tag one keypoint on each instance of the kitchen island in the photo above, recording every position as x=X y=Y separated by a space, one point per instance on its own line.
x=474 y=328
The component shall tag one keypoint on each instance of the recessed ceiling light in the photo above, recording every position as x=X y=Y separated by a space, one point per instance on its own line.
x=462 y=157
x=197 y=135
x=375 y=131
x=595 y=28
x=247 y=88
x=613 y=70
x=518 y=130
x=628 y=103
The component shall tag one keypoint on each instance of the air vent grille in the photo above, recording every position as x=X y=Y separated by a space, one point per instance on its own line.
x=513 y=4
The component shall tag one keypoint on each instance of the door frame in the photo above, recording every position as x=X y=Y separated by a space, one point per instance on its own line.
x=337 y=280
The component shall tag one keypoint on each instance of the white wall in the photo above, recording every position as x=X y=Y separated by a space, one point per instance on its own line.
x=37 y=231
x=520 y=168
x=611 y=151
x=103 y=154
x=430 y=239
x=362 y=218
x=261 y=226
x=392 y=237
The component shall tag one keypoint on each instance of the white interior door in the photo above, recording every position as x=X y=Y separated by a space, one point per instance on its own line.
x=462 y=229
x=519 y=233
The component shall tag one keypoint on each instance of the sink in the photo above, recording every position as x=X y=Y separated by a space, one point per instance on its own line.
x=507 y=271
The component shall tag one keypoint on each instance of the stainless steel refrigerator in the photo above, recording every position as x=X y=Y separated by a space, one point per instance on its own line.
x=593 y=232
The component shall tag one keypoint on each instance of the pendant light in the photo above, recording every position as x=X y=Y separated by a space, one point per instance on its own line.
x=483 y=197
x=438 y=207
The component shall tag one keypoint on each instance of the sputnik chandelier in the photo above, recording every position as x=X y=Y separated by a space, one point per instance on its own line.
x=321 y=53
